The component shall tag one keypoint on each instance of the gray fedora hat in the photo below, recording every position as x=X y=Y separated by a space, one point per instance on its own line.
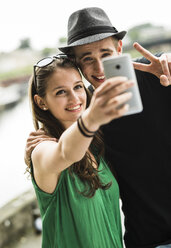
x=89 y=25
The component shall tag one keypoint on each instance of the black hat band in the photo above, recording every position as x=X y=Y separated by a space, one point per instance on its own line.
x=91 y=31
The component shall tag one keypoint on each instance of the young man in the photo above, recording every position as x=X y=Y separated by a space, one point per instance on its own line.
x=137 y=146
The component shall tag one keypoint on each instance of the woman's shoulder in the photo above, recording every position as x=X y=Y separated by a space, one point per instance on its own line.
x=41 y=154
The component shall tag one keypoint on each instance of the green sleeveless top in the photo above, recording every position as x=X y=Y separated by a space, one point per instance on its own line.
x=71 y=220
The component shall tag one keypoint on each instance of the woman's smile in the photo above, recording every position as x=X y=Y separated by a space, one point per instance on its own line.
x=74 y=108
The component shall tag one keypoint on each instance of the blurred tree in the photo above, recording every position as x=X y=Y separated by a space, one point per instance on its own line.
x=25 y=43
x=62 y=40
x=153 y=37
x=135 y=32
x=48 y=51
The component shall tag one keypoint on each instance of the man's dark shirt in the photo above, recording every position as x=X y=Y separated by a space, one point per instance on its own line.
x=139 y=149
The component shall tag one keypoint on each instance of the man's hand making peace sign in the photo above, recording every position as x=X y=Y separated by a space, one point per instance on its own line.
x=159 y=66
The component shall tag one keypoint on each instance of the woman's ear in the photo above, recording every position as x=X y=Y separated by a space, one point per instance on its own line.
x=40 y=102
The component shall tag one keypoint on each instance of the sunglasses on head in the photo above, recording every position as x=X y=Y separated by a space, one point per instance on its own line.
x=45 y=62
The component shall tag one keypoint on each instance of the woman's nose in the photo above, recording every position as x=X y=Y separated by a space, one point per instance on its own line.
x=73 y=97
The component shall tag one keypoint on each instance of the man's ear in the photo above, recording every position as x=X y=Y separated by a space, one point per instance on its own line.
x=40 y=102
x=119 y=47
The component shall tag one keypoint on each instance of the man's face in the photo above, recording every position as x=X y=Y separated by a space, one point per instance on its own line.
x=89 y=58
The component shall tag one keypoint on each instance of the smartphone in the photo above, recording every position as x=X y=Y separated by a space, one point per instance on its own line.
x=122 y=66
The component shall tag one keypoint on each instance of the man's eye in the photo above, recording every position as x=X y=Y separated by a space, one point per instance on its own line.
x=60 y=92
x=106 y=55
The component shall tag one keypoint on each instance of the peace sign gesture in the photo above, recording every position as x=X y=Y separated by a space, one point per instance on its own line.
x=159 y=66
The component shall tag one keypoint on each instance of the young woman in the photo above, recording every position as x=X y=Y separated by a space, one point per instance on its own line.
x=76 y=191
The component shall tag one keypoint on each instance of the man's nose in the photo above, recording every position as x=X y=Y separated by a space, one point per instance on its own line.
x=99 y=66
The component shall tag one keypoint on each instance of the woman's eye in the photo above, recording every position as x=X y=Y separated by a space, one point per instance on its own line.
x=60 y=92
x=87 y=59
x=79 y=86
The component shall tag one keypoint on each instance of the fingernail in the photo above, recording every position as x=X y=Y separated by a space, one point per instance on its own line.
x=125 y=78
x=131 y=83
x=164 y=82
x=130 y=93
x=127 y=106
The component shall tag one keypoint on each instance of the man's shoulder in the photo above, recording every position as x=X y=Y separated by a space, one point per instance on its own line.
x=146 y=79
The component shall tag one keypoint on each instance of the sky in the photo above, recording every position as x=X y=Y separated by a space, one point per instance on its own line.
x=44 y=22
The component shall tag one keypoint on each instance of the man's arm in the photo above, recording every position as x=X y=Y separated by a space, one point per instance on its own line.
x=33 y=140
x=159 y=66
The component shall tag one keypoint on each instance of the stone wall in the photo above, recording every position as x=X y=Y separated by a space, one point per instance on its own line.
x=17 y=217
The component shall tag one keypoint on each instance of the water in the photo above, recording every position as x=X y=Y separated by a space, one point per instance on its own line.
x=15 y=125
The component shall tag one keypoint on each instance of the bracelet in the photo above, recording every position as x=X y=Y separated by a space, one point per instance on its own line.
x=82 y=123
x=81 y=128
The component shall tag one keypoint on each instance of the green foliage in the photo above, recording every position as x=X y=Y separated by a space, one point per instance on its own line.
x=48 y=51
x=62 y=40
x=25 y=43
x=135 y=32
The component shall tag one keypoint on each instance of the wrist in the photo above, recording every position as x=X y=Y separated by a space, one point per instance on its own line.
x=89 y=122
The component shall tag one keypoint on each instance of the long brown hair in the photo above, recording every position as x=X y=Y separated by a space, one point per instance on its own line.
x=84 y=169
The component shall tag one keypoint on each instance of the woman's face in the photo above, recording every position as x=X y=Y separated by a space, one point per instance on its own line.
x=65 y=95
